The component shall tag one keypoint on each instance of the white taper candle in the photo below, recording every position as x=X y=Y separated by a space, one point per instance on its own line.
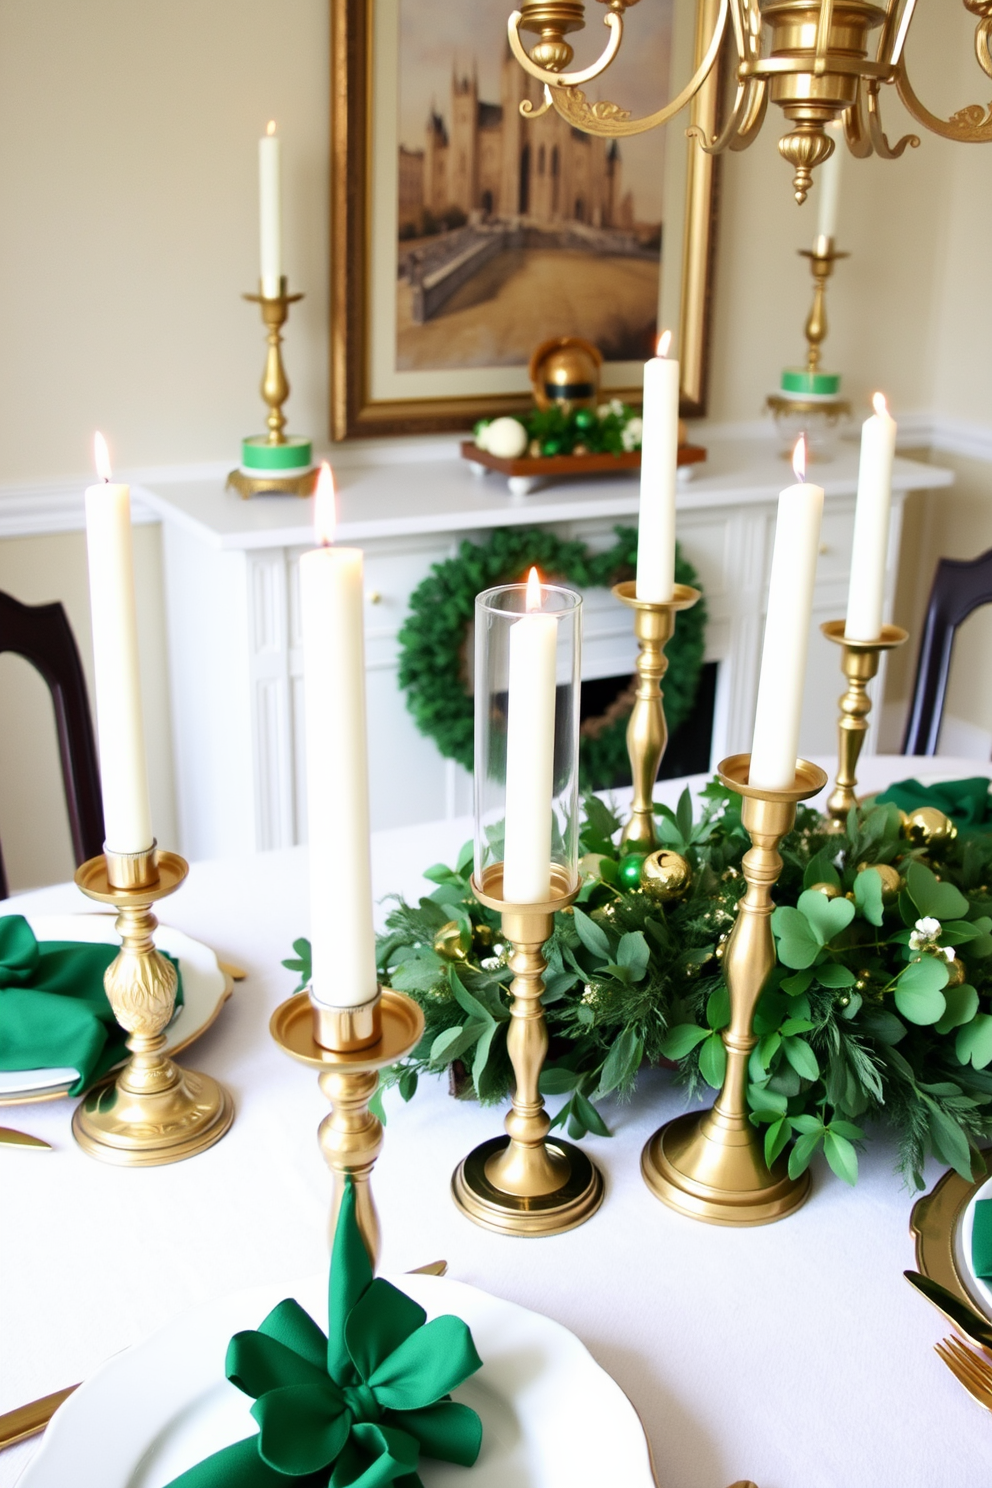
x=659 y=467
x=530 y=753
x=270 y=212
x=123 y=769
x=342 y=936
x=869 y=553
x=790 y=606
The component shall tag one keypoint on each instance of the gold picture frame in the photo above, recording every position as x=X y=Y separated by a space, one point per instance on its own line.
x=357 y=409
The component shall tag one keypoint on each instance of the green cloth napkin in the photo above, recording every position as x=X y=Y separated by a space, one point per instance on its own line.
x=354 y=1409
x=981 y=1240
x=53 y=1009
x=966 y=802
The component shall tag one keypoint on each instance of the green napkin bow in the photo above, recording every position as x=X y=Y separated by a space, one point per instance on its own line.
x=966 y=802
x=981 y=1240
x=354 y=1409
x=53 y=1008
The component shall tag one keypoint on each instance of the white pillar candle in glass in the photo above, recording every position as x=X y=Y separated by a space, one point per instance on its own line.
x=342 y=937
x=659 y=467
x=790 y=607
x=530 y=752
x=123 y=770
x=870 y=549
x=270 y=212
x=828 y=184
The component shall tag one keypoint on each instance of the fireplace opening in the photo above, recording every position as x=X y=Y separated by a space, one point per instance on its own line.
x=689 y=745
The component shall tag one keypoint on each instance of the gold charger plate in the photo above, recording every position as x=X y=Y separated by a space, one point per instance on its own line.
x=934 y=1225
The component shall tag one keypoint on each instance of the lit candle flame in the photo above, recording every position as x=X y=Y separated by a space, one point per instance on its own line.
x=664 y=342
x=270 y=128
x=879 y=404
x=101 y=456
x=533 y=590
x=324 y=515
x=799 y=458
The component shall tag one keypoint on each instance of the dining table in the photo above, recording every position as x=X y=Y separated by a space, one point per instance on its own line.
x=792 y=1355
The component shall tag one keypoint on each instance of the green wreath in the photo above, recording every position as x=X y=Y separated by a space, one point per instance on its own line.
x=432 y=639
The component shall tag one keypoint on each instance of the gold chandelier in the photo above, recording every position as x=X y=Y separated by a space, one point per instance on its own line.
x=814 y=58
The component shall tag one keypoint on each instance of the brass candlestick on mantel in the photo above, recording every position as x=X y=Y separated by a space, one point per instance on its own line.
x=524 y=1183
x=647 y=731
x=859 y=663
x=274 y=462
x=809 y=398
x=712 y=1166
x=355 y=1044
x=154 y=1112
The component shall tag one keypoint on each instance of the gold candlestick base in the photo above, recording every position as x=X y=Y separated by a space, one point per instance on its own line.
x=524 y=1183
x=273 y=485
x=350 y=1137
x=154 y=1112
x=647 y=731
x=859 y=663
x=711 y=1166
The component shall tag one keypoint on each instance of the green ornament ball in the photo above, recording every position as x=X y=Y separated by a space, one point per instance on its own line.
x=584 y=418
x=629 y=869
x=550 y=446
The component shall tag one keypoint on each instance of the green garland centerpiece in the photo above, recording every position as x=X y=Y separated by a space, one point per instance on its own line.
x=433 y=669
x=614 y=428
x=879 y=1007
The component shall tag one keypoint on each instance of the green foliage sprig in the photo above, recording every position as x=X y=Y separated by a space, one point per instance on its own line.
x=879 y=1008
x=433 y=670
x=614 y=428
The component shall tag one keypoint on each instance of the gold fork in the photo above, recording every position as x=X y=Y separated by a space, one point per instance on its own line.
x=968 y=1369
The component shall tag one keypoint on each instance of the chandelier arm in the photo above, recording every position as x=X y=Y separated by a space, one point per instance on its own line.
x=855 y=129
x=528 y=110
x=880 y=144
x=970 y=125
x=753 y=121
x=613 y=122
x=613 y=19
x=749 y=100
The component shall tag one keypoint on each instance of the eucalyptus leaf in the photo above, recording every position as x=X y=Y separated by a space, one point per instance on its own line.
x=713 y=1061
x=949 y=1141
x=680 y=1041
x=622 y=1061
x=592 y=936
x=453 y=1042
x=841 y=1156
x=802 y=1153
x=593 y=1122
x=776 y=1138
x=820 y=869
x=799 y=1054
x=718 y=1007
x=556 y=1080
x=634 y=954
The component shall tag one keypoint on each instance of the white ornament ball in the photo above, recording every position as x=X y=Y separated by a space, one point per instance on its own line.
x=506 y=438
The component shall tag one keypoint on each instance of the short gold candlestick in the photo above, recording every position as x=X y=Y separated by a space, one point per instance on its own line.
x=822 y=257
x=524 y=1184
x=355 y=1044
x=859 y=663
x=712 y=1166
x=647 y=731
x=154 y=1112
x=275 y=463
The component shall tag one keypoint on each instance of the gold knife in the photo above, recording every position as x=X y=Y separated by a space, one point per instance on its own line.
x=965 y=1318
x=17 y=1425
x=13 y=1138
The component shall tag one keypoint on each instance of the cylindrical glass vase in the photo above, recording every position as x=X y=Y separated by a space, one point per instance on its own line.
x=527 y=680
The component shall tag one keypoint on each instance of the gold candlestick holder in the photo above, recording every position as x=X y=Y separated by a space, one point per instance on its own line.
x=154 y=1112
x=524 y=1183
x=647 y=731
x=859 y=662
x=809 y=401
x=275 y=463
x=712 y=1166
x=349 y=1046
x=822 y=257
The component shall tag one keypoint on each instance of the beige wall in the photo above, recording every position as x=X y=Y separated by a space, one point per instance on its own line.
x=128 y=183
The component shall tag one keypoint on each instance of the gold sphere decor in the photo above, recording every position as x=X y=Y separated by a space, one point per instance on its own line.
x=892 y=880
x=564 y=373
x=828 y=890
x=448 y=942
x=928 y=825
x=665 y=875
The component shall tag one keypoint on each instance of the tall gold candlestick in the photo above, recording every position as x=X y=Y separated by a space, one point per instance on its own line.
x=712 y=1166
x=647 y=731
x=154 y=1112
x=859 y=663
x=356 y=1043
x=524 y=1183
x=822 y=258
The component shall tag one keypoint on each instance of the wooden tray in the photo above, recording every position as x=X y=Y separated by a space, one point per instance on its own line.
x=689 y=454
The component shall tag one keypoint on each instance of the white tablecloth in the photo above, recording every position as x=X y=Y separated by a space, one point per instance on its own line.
x=795 y=1354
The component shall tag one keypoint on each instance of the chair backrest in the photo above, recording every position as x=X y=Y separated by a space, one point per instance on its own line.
x=43 y=636
x=959 y=586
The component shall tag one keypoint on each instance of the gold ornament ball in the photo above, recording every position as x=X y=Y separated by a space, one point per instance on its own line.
x=448 y=942
x=828 y=890
x=665 y=875
x=891 y=879
x=927 y=824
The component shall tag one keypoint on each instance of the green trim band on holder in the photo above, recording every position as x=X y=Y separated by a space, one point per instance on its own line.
x=815 y=384
x=257 y=454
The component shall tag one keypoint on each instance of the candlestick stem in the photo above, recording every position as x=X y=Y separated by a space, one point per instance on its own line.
x=712 y=1166
x=350 y=1137
x=154 y=1112
x=275 y=391
x=647 y=730
x=859 y=662
x=524 y=1184
x=821 y=261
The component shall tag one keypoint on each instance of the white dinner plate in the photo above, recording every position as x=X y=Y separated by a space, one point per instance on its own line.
x=205 y=988
x=981 y=1291
x=552 y=1418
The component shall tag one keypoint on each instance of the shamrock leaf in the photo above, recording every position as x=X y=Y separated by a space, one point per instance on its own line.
x=868 y=897
x=962 y=1005
x=918 y=995
x=973 y=1044
x=828 y=917
x=941 y=901
x=798 y=944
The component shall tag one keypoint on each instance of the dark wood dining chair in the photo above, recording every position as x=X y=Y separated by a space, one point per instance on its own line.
x=960 y=585
x=43 y=636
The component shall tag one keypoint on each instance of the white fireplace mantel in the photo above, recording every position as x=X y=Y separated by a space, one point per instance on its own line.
x=233 y=616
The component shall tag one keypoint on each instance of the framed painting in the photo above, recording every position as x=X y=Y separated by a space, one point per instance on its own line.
x=463 y=234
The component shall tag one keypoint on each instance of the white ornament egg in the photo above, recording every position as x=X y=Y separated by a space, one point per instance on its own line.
x=506 y=438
